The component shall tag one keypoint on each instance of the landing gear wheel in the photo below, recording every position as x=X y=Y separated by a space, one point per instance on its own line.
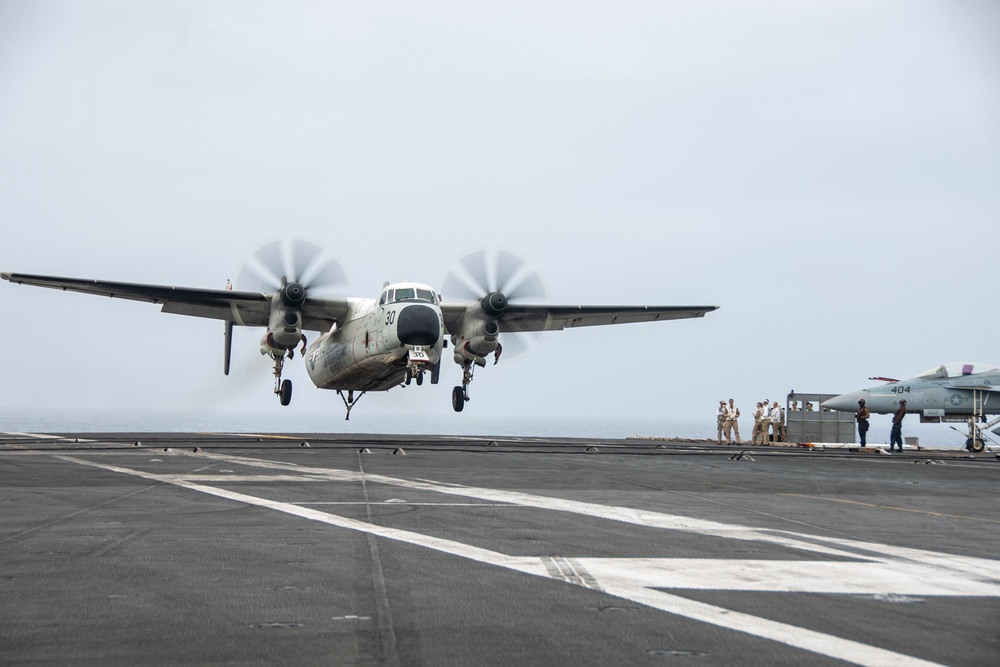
x=420 y=379
x=458 y=398
x=975 y=445
x=408 y=377
x=286 y=392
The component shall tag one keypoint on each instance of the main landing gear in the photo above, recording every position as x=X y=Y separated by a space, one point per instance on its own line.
x=460 y=395
x=283 y=388
x=976 y=440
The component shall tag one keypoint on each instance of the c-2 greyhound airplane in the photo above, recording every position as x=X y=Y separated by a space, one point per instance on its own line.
x=949 y=392
x=372 y=344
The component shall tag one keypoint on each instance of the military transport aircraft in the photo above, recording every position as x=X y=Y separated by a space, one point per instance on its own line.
x=372 y=344
x=950 y=392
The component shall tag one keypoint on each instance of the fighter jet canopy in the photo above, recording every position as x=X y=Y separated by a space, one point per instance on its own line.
x=956 y=369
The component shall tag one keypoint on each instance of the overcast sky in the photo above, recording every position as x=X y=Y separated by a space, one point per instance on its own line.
x=826 y=172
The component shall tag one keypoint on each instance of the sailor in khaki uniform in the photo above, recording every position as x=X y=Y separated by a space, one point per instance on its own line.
x=720 y=421
x=732 y=415
x=758 y=425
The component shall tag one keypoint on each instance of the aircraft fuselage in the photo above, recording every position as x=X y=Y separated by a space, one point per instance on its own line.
x=372 y=349
x=948 y=395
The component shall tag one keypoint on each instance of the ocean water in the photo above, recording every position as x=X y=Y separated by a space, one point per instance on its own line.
x=221 y=421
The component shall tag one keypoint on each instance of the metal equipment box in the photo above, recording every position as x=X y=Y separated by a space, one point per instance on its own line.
x=811 y=423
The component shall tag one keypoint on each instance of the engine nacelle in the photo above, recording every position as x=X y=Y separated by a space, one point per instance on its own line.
x=284 y=326
x=478 y=338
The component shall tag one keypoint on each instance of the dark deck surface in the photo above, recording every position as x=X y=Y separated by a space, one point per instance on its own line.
x=472 y=551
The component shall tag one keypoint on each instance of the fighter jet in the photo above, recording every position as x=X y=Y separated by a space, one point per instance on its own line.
x=949 y=392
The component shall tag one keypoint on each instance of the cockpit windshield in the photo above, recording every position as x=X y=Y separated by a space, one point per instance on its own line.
x=955 y=369
x=392 y=295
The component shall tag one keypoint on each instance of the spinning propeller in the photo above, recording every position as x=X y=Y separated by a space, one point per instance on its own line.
x=503 y=272
x=290 y=271
x=291 y=268
x=497 y=279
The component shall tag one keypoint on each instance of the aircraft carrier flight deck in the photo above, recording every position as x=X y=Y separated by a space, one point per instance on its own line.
x=310 y=549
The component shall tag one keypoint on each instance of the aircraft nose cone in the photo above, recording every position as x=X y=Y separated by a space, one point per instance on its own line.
x=846 y=402
x=418 y=325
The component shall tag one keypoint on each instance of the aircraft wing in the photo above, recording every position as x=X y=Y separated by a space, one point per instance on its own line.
x=242 y=308
x=520 y=318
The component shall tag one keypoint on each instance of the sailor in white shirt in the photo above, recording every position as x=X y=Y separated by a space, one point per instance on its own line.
x=776 y=422
x=732 y=415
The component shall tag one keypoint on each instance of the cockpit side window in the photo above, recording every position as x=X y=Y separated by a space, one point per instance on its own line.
x=384 y=298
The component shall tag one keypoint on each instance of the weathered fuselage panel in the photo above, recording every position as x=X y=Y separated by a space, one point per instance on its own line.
x=367 y=353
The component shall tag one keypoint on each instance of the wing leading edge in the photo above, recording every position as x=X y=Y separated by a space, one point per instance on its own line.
x=242 y=308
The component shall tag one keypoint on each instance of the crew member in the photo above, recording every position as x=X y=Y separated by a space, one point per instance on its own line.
x=861 y=416
x=720 y=421
x=765 y=422
x=758 y=424
x=732 y=415
x=896 y=434
x=781 y=424
x=776 y=422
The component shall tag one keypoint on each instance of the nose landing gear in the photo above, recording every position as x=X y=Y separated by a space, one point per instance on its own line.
x=417 y=362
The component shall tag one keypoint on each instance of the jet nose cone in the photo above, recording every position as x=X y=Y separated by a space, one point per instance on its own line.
x=846 y=402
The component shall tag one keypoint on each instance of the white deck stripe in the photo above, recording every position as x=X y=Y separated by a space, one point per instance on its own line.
x=615 y=582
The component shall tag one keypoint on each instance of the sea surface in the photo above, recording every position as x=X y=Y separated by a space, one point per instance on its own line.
x=221 y=421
